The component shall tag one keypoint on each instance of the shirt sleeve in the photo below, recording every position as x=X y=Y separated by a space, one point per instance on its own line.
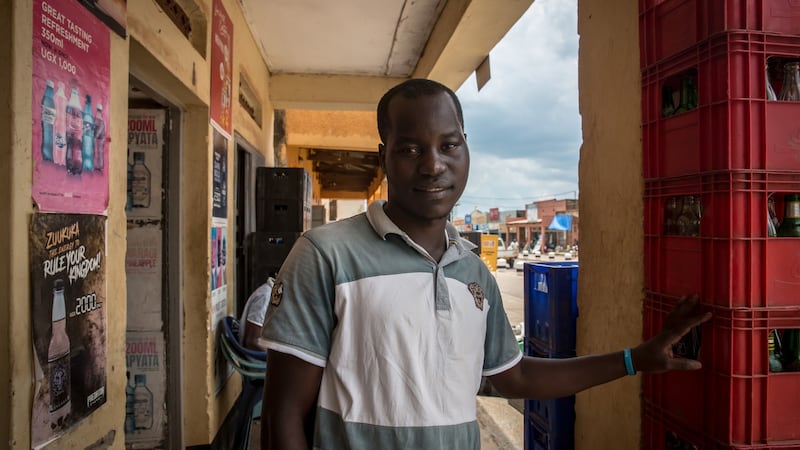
x=256 y=308
x=300 y=317
x=500 y=348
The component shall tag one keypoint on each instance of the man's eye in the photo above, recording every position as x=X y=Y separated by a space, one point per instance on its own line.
x=449 y=146
x=410 y=150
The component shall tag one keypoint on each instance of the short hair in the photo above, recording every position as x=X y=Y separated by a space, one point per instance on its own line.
x=413 y=88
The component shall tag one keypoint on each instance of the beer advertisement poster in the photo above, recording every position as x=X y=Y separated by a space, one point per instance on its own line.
x=70 y=140
x=221 y=101
x=219 y=183
x=68 y=298
x=145 y=162
x=146 y=391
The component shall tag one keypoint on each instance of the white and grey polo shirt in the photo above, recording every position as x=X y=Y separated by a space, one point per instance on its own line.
x=403 y=340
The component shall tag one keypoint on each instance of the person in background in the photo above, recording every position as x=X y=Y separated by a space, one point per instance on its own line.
x=381 y=326
x=253 y=317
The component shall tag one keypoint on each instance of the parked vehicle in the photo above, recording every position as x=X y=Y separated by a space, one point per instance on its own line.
x=510 y=253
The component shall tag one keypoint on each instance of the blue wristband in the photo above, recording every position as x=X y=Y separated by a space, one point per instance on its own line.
x=628 y=362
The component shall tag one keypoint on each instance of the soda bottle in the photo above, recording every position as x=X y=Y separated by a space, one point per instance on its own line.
x=59 y=151
x=48 y=119
x=790 y=92
x=790 y=227
x=774 y=355
x=99 y=139
x=141 y=182
x=74 y=156
x=143 y=403
x=58 y=362
x=87 y=147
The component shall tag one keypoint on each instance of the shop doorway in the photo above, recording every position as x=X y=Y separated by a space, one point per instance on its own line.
x=153 y=407
x=246 y=160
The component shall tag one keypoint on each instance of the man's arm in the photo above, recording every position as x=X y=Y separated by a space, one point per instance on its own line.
x=540 y=378
x=252 y=336
x=290 y=397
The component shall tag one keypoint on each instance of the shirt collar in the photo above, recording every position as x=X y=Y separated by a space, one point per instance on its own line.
x=384 y=226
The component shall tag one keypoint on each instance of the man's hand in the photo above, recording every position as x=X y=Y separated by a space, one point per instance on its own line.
x=655 y=355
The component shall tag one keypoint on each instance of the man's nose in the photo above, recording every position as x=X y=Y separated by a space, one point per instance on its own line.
x=432 y=163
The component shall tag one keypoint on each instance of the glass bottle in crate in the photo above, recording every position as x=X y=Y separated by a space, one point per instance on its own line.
x=770 y=92
x=790 y=92
x=772 y=218
x=775 y=364
x=790 y=226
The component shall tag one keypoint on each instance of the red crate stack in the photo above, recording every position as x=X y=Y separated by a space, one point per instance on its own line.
x=718 y=155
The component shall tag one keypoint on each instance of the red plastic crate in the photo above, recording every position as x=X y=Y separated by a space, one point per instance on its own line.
x=737 y=273
x=734 y=202
x=733 y=127
x=660 y=432
x=732 y=262
x=668 y=26
x=734 y=399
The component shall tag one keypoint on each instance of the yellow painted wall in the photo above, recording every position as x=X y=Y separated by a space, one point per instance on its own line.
x=104 y=425
x=159 y=55
x=611 y=276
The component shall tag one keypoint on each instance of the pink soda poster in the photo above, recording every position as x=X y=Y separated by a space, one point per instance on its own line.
x=71 y=72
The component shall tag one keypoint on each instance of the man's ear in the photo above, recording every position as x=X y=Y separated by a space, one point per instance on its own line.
x=382 y=156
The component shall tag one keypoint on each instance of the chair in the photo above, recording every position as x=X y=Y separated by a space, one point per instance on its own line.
x=252 y=365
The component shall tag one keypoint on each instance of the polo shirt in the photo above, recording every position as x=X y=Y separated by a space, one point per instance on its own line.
x=403 y=340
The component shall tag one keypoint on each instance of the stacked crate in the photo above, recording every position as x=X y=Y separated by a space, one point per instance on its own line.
x=732 y=150
x=551 y=313
x=283 y=213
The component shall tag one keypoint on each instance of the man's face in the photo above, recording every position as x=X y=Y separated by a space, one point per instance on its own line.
x=425 y=158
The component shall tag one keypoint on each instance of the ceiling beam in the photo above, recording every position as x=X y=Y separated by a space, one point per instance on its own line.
x=328 y=92
x=464 y=35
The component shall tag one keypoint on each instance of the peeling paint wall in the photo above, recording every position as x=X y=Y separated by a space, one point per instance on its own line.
x=611 y=275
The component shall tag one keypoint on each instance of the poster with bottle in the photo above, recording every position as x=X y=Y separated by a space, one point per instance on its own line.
x=68 y=299
x=221 y=68
x=70 y=140
x=145 y=160
x=219 y=191
x=145 y=391
x=219 y=297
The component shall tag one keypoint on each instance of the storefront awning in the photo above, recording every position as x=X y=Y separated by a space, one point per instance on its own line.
x=561 y=222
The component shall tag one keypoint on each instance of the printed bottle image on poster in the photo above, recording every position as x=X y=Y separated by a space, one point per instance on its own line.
x=71 y=70
x=68 y=299
x=145 y=161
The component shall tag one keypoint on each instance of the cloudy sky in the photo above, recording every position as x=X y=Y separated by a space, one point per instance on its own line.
x=523 y=127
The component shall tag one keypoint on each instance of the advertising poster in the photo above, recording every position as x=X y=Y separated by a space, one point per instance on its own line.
x=489 y=244
x=219 y=190
x=143 y=270
x=68 y=299
x=145 y=153
x=113 y=13
x=221 y=68
x=71 y=69
x=219 y=244
x=219 y=298
x=145 y=393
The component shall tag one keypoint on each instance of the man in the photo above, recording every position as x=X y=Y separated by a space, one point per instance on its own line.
x=253 y=317
x=381 y=326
